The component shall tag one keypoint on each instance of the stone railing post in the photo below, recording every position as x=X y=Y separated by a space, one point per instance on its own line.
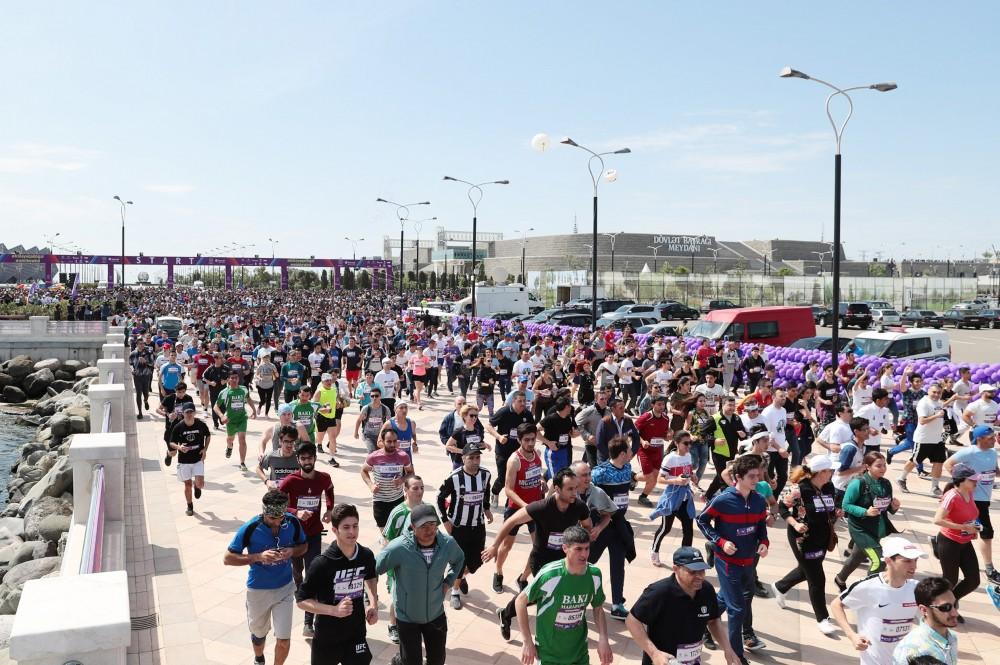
x=39 y=325
x=115 y=338
x=113 y=351
x=108 y=365
x=99 y=395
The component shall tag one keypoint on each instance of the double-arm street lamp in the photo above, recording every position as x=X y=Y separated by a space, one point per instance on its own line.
x=838 y=131
x=613 y=236
x=403 y=213
x=475 y=195
x=123 y=204
x=541 y=143
x=524 y=238
x=655 y=248
x=354 y=242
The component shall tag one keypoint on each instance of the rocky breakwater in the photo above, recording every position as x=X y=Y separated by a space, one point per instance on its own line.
x=36 y=519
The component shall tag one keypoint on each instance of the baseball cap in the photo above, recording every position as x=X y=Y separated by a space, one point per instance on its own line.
x=423 y=514
x=899 y=546
x=820 y=463
x=188 y=406
x=326 y=377
x=987 y=388
x=284 y=408
x=690 y=558
x=962 y=471
x=471 y=449
x=751 y=406
x=522 y=379
x=980 y=431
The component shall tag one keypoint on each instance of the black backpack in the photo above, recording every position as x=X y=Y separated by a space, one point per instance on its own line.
x=255 y=522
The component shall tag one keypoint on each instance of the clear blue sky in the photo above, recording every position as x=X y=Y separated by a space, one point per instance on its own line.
x=236 y=121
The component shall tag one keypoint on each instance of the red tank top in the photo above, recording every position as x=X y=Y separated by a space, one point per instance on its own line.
x=528 y=482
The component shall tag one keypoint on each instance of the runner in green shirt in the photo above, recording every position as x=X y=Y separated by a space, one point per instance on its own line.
x=562 y=590
x=292 y=374
x=398 y=524
x=304 y=415
x=231 y=409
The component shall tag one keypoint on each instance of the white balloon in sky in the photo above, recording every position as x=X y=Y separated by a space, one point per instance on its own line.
x=611 y=175
x=541 y=142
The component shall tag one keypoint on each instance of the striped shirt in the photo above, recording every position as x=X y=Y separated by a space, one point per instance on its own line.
x=463 y=497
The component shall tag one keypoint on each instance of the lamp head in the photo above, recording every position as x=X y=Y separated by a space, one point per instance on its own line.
x=380 y=201
x=540 y=142
x=501 y=182
x=117 y=198
x=623 y=151
x=569 y=141
x=448 y=177
x=129 y=202
x=788 y=73
x=884 y=87
x=422 y=203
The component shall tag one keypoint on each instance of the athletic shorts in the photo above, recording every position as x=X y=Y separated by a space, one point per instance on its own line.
x=381 y=510
x=984 y=519
x=323 y=423
x=186 y=472
x=352 y=375
x=510 y=511
x=935 y=453
x=232 y=429
x=472 y=540
x=344 y=653
x=339 y=414
x=650 y=458
x=267 y=607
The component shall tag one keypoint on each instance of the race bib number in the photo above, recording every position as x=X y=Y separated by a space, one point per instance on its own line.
x=563 y=439
x=657 y=442
x=390 y=470
x=555 y=541
x=986 y=478
x=503 y=372
x=823 y=503
x=305 y=420
x=569 y=619
x=473 y=438
x=472 y=498
x=351 y=588
x=894 y=630
x=533 y=473
x=308 y=503
x=689 y=654
x=882 y=503
x=621 y=501
x=512 y=434
x=746 y=530
x=236 y=404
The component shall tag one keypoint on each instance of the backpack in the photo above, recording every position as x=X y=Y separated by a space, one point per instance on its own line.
x=255 y=522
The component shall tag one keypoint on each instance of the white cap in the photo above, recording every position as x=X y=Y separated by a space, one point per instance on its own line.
x=987 y=387
x=326 y=377
x=819 y=463
x=899 y=546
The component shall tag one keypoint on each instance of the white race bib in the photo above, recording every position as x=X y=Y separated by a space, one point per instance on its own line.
x=555 y=541
x=472 y=498
x=533 y=472
x=567 y=619
x=236 y=404
x=563 y=439
x=894 y=630
x=688 y=654
x=621 y=500
x=657 y=442
x=512 y=434
x=882 y=503
x=351 y=588
x=308 y=502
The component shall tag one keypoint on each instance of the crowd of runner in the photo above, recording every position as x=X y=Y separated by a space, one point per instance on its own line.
x=572 y=435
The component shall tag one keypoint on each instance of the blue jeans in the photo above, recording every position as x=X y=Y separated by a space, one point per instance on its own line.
x=699 y=458
x=736 y=593
x=906 y=443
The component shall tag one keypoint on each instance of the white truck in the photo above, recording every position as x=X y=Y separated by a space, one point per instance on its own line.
x=495 y=299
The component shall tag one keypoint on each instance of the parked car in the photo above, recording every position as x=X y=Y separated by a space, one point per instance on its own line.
x=625 y=310
x=677 y=312
x=634 y=320
x=965 y=318
x=855 y=314
x=992 y=317
x=544 y=315
x=914 y=344
x=778 y=326
x=885 y=317
x=605 y=305
x=667 y=329
x=820 y=343
x=572 y=319
x=971 y=306
x=500 y=316
x=878 y=304
x=821 y=314
x=922 y=318
x=523 y=317
x=712 y=305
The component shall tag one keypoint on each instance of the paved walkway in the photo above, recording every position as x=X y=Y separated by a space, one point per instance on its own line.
x=176 y=568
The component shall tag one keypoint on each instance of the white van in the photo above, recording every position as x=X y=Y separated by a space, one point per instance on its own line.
x=908 y=343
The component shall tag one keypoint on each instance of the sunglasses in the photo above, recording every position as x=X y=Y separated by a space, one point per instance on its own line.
x=945 y=607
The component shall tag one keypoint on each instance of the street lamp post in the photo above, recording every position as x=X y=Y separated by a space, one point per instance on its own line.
x=655 y=248
x=541 y=143
x=50 y=241
x=273 y=243
x=475 y=195
x=838 y=131
x=524 y=275
x=402 y=213
x=418 y=225
x=354 y=242
x=613 y=236
x=123 y=204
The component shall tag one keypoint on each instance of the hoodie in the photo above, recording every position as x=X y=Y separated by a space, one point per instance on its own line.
x=333 y=577
x=418 y=591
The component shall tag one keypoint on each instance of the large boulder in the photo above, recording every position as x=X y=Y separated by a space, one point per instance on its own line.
x=20 y=367
x=36 y=383
x=60 y=385
x=16 y=577
x=87 y=373
x=73 y=365
x=51 y=364
x=30 y=474
x=13 y=394
x=63 y=375
x=53 y=526
x=11 y=528
x=53 y=484
x=42 y=508
x=33 y=549
x=79 y=425
x=5 y=379
x=45 y=407
x=59 y=425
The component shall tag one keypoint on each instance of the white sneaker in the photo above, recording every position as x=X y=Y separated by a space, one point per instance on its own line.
x=778 y=596
x=827 y=627
x=654 y=558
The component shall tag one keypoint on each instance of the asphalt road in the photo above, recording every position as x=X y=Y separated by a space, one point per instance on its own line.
x=967 y=346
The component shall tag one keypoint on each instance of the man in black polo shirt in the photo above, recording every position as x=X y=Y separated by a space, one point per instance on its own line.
x=503 y=426
x=668 y=620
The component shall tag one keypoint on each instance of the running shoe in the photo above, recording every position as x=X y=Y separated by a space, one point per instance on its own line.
x=760 y=590
x=936 y=492
x=654 y=558
x=753 y=643
x=778 y=596
x=334 y=463
x=197 y=492
x=826 y=626
x=994 y=593
x=619 y=612
x=993 y=575
x=394 y=634
x=243 y=467
x=504 y=624
x=901 y=484
x=497 y=583
x=308 y=630
x=709 y=642
x=229 y=453
x=522 y=583
x=644 y=501
x=456 y=601
x=463 y=586
x=840 y=585
x=189 y=512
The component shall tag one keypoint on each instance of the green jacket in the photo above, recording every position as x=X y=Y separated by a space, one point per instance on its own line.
x=418 y=591
x=861 y=493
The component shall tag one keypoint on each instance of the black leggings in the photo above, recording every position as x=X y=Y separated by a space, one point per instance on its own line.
x=142 y=384
x=414 y=637
x=667 y=522
x=264 y=397
x=717 y=484
x=779 y=466
x=859 y=554
x=809 y=571
x=958 y=556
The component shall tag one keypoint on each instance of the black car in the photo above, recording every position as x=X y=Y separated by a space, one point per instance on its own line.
x=712 y=305
x=924 y=318
x=992 y=317
x=821 y=314
x=820 y=343
x=965 y=318
x=855 y=314
x=676 y=311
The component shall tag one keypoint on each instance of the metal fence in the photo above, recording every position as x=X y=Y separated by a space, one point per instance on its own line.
x=936 y=293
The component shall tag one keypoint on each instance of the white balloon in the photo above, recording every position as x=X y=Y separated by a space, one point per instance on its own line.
x=611 y=175
x=541 y=142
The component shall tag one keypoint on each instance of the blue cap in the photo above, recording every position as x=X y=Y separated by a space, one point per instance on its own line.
x=980 y=431
x=284 y=408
